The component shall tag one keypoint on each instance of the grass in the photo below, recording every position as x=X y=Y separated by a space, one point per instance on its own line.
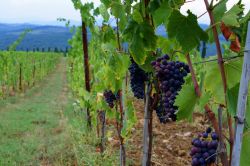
x=86 y=143
x=33 y=128
x=41 y=128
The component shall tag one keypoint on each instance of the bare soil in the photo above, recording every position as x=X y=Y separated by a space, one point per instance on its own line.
x=171 y=141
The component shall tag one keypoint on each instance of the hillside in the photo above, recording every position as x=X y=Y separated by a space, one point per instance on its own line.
x=54 y=37
x=41 y=36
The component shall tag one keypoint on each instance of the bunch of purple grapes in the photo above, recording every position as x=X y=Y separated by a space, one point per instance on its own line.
x=110 y=97
x=170 y=75
x=137 y=80
x=204 y=148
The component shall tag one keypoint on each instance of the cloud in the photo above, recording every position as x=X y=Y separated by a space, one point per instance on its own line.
x=36 y=10
x=18 y=11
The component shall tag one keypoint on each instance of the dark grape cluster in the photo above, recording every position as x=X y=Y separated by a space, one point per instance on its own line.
x=204 y=148
x=137 y=79
x=110 y=97
x=170 y=75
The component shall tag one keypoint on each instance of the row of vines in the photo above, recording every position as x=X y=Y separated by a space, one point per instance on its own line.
x=167 y=72
x=22 y=70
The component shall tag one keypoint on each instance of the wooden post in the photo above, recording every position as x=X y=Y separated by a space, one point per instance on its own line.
x=242 y=102
x=147 y=127
x=86 y=65
x=103 y=129
x=34 y=74
x=20 y=77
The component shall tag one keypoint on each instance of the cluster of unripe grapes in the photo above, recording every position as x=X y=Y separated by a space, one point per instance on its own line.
x=170 y=75
x=137 y=80
x=204 y=148
x=110 y=97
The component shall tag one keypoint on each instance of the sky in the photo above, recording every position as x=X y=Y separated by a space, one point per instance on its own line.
x=47 y=11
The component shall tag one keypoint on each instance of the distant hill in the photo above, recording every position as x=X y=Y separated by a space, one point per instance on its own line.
x=48 y=36
x=42 y=37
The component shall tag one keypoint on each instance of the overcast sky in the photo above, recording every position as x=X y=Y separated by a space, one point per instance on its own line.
x=46 y=11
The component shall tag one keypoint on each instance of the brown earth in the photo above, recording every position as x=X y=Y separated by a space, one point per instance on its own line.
x=171 y=141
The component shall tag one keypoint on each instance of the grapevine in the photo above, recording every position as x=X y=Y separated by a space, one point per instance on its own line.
x=168 y=91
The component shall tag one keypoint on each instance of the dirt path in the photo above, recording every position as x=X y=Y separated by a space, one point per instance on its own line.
x=32 y=127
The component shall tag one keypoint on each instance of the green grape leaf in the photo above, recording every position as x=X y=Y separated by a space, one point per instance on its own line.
x=165 y=44
x=154 y=5
x=86 y=15
x=245 y=19
x=137 y=16
x=96 y=11
x=107 y=3
x=114 y=71
x=233 y=73
x=130 y=120
x=186 y=30
x=176 y=3
x=104 y=12
x=84 y=94
x=219 y=10
x=147 y=65
x=118 y=10
x=230 y=18
x=142 y=38
x=77 y=4
x=108 y=35
x=232 y=99
x=213 y=83
x=161 y=15
x=203 y=100
x=186 y=101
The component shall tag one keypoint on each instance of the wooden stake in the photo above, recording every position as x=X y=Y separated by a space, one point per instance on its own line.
x=242 y=103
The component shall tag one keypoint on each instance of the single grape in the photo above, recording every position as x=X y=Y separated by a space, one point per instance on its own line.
x=205 y=135
x=195 y=162
x=209 y=129
x=214 y=136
